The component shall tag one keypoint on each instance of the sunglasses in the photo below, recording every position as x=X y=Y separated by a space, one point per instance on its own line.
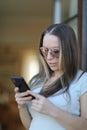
x=53 y=51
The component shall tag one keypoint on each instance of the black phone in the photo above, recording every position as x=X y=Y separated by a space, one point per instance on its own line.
x=20 y=83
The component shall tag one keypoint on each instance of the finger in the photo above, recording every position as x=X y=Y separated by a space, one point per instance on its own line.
x=20 y=101
x=16 y=89
x=37 y=96
x=22 y=94
x=36 y=105
x=29 y=98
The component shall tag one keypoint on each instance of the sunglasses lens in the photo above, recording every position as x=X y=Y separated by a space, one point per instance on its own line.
x=53 y=51
x=44 y=51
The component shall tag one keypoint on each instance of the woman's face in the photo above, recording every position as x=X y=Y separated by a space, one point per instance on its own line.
x=51 y=50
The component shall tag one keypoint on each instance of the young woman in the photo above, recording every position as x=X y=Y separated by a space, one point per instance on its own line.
x=60 y=88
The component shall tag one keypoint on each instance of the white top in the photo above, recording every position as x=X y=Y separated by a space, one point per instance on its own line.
x=63 y=101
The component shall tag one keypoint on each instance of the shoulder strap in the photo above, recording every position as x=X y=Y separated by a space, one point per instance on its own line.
x=81 y=74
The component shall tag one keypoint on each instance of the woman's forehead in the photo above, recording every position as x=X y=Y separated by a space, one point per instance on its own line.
x=51 y=40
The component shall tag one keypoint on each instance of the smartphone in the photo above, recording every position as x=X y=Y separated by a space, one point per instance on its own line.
x=20 y=83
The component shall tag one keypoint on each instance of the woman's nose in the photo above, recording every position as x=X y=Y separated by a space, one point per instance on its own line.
x=49 y=55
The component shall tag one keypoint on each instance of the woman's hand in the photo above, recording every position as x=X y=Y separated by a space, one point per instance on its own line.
x=41 y=104
x=22 y=98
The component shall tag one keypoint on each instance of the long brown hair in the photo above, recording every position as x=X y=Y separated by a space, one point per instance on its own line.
x=69 y=49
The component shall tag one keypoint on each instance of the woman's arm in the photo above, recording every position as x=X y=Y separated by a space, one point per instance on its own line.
x=24 y=116
x=22 y=99
x=67 y=120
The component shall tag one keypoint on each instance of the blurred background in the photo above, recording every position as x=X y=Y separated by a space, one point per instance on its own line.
x=21 y=25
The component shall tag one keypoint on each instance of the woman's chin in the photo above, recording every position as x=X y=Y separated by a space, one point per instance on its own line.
x=54 y=68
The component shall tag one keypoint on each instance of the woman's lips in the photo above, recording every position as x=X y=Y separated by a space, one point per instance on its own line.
x=52 y=64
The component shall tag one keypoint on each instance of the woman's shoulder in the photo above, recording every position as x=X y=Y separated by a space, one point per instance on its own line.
x=79 y=84
x=82 y=75
x=80 y=78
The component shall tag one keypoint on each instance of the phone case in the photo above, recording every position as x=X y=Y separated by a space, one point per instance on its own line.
x=20 y=82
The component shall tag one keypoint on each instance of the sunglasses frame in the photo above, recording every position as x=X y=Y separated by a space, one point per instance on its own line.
x=44 y=51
